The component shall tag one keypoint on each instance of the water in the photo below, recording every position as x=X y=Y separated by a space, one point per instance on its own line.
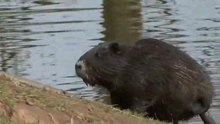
x=42 y=39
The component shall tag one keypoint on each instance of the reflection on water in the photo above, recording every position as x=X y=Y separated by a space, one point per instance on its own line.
x=42 y=39
x=122 y=20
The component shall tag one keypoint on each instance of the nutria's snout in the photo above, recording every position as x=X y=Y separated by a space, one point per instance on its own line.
x=81 y=71
x=80 y=68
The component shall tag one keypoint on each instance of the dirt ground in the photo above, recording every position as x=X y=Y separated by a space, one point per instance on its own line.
x=27 y=102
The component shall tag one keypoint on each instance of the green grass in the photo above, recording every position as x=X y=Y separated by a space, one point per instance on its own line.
x=6 y=120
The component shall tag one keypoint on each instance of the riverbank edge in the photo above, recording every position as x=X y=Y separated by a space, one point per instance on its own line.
x=23 y=101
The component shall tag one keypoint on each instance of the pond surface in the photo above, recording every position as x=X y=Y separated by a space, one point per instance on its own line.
x=42 y=39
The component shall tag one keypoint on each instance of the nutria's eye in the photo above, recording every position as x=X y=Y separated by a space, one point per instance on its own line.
x=97 y=55
x=115 y=48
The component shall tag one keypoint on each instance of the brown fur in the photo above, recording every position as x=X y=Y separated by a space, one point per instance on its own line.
x=151 y=77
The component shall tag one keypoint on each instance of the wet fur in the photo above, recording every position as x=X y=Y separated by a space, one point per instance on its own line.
x=151 y=77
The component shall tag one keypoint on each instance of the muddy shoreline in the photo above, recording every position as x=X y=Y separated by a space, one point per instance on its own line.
x=23 y=101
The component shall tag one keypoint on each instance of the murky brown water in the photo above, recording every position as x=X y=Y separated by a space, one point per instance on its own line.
x=42 y=39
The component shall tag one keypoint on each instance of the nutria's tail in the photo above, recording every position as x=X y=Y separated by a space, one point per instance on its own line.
x=207 y=119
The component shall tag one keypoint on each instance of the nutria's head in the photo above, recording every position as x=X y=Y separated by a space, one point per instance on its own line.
x=102 y=64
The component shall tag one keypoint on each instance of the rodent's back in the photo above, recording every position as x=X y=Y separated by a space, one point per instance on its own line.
x=169 y=75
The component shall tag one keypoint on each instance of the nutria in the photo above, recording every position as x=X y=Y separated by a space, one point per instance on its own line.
x=150 y=77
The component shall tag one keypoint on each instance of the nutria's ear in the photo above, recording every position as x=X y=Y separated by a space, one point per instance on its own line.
x=115 y=48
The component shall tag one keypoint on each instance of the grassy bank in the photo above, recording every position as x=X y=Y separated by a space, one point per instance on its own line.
x=27 y=102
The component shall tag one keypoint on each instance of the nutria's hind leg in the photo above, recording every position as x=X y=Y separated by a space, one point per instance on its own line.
x=207 y=119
